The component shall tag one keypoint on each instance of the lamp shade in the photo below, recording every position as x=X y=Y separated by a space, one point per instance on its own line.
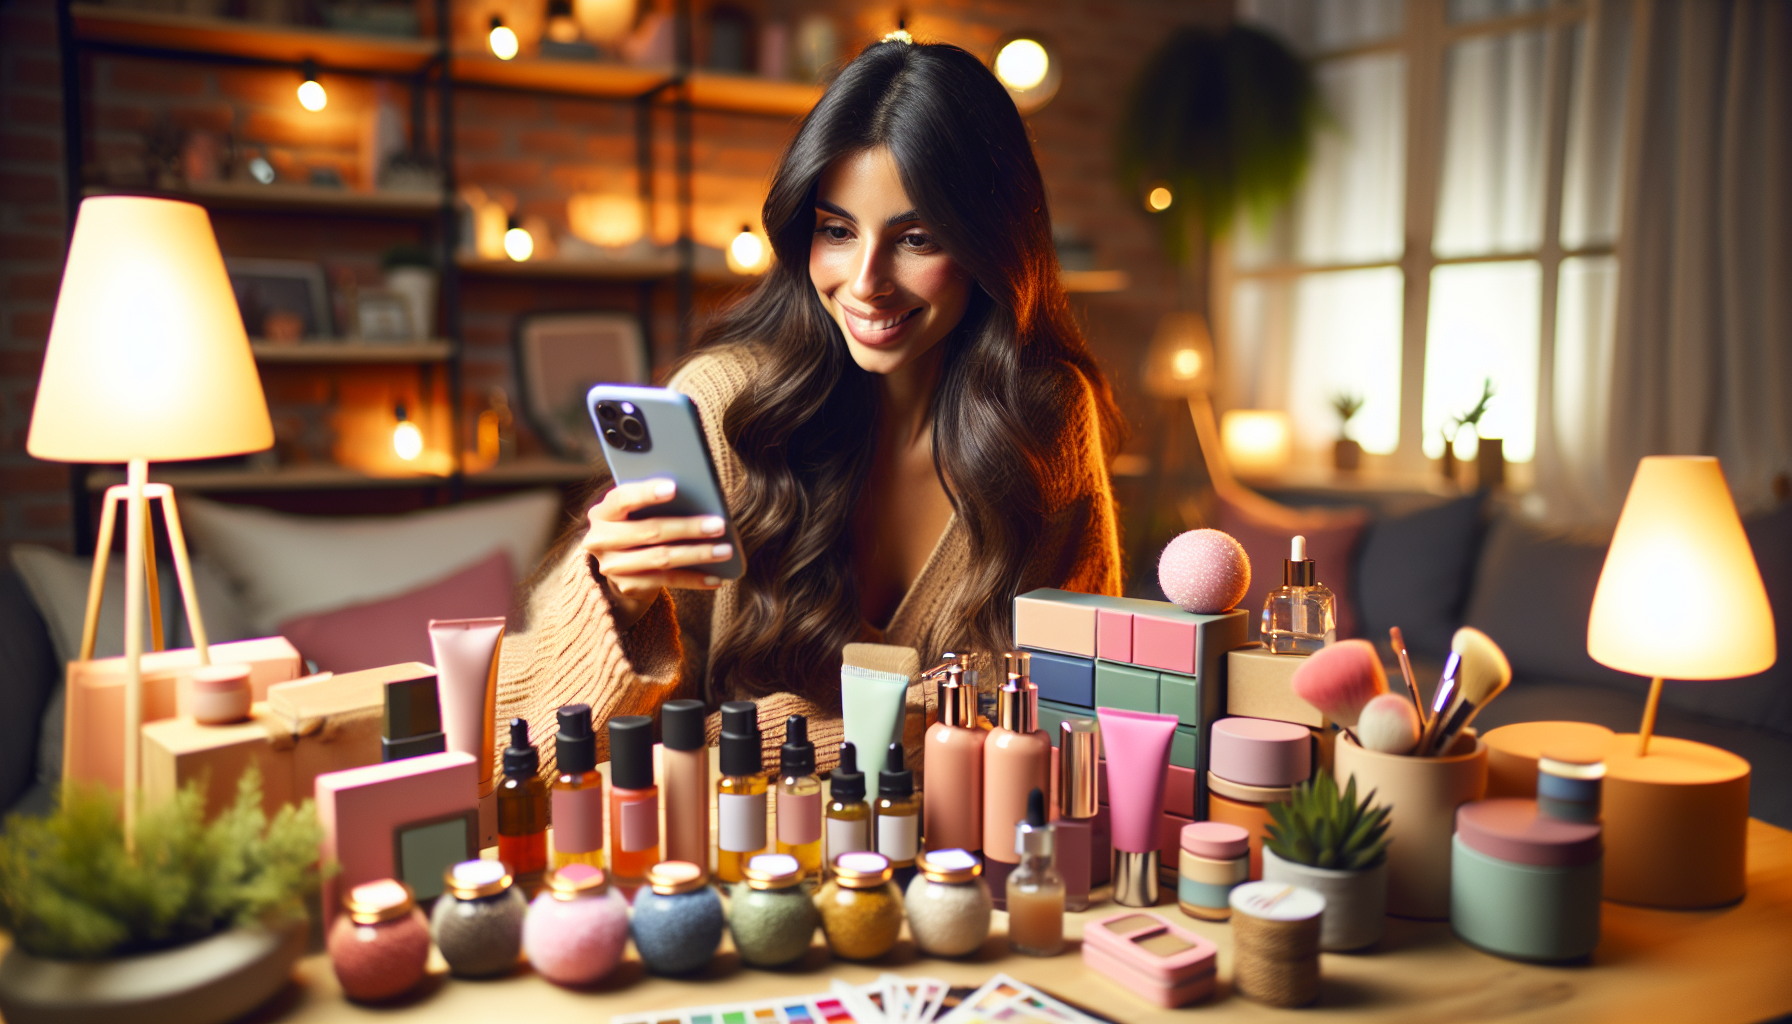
x=147 y=356
x=1680 y=596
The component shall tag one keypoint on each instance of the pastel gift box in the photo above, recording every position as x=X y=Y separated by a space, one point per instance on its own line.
x=363 y=811
x=1063 y=679
x=1125 y=687
x=1258 y=685
x=93 y=730
x=1151 y=958
x=1180 y=789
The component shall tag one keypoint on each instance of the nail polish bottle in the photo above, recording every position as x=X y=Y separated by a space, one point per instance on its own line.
x=897 y=816
x=740 y=792
x=1083 y=841
x=1301 y=615
x=1035 y=891
x=848 y=816
x=1016 y=760
x=684 y=765
x=799 y=799
x=523 y=810
x=578 y=793
x=634 y=799
x=952 y=764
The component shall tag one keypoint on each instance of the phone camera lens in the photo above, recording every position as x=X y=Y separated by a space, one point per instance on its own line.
x=632 y=429
x=613 y=436
x=606 y=412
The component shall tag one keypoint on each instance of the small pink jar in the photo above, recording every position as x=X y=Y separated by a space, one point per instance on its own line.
x=577 y=926
x=379 y=944
x=221 y=694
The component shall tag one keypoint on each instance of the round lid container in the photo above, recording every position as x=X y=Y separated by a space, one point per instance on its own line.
x=1249 y=794
x=372 y=902
x=672 y=877
x=773 y=871
x=1259 y=752
x=861 y=869
x=1277 y=901
x=1216 y=840
x=952 y=866
x=477 y=879
x=1513 y=831
x=576 y=880
x=221 y=678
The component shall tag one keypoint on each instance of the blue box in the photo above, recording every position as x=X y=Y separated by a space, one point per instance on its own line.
x=1064 y=679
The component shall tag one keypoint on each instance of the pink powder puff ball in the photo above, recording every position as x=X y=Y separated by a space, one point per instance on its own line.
x=575 y=942
x=1204 y=571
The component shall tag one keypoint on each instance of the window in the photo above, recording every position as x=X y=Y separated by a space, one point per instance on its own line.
x=1457 y=225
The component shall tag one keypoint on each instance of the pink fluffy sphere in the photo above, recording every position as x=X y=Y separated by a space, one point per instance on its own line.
x=1204 y=571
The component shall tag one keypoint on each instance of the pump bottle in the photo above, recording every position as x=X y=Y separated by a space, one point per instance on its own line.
x=952 y=764
x=740 y=792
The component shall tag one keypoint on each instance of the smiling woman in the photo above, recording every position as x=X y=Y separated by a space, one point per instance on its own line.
x=906 y=422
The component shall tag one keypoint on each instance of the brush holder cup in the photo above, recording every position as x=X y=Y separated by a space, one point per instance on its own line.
x=1423 y=794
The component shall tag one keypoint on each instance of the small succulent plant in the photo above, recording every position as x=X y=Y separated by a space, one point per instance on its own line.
x=1321 y=828
x=1347 y=405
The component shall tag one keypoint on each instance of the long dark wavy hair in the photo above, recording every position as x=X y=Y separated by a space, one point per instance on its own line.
x=1014 y=370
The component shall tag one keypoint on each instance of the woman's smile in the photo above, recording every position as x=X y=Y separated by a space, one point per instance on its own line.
x=879 y=328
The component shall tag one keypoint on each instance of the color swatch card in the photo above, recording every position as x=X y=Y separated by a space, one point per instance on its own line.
x=1005 y=999
x=889 y=1000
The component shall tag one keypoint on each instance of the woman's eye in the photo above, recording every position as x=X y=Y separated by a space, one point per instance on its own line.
x=834 y=232
x=917 y=242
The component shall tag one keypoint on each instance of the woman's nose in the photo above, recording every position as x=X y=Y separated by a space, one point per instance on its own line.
x=871 y=280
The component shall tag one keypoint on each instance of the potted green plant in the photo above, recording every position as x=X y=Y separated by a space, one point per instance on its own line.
x=197 y=922
x=1347 y=454
x=1336 y=845
x=1472 y=420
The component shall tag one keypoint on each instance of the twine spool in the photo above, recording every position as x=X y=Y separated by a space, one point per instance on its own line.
x=1275 y=942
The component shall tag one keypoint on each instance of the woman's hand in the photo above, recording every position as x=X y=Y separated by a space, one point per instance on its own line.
x=637 y=557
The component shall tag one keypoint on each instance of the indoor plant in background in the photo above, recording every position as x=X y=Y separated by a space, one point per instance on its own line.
x=1347 y=454
x=1336 y=845
x=198 y=923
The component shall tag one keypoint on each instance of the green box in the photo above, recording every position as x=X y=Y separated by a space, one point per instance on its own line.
x=1125 y=687
x=1179 y=695
x=1052 y=713
x=1185 y=748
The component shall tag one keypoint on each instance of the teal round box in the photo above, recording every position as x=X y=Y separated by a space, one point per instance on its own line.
x=1525 y=886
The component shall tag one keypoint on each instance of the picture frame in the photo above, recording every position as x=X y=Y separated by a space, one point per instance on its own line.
x=559 y=357
x=281 y=301
x=382 y=317
x=422 y=851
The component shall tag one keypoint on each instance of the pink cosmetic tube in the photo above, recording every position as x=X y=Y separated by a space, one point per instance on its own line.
x=466 y=653
x=1138 y=753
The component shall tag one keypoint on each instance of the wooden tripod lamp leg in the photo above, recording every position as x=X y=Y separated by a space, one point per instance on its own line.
x=136 y=518
x=154 y=584
x=96 y=585
x=1649 y=709
x=183 y=572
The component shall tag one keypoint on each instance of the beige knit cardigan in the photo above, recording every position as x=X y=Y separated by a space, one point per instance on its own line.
x=568 y=649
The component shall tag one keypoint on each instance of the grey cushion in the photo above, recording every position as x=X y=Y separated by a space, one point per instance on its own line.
x=28 y=672
x=1415 y=570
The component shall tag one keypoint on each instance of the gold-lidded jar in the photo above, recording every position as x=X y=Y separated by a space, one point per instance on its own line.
x=379 y=943
x=861 y=911
x=948 y=905
x=771 y=913
x=477 y=922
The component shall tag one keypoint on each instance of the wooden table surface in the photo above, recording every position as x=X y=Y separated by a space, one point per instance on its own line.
x=1729 y=965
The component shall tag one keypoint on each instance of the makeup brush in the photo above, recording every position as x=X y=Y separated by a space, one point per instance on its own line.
x=1340 y=679
x=1482 y=673
x=1412 y=685
x=1440 y=699
x=1388 y=725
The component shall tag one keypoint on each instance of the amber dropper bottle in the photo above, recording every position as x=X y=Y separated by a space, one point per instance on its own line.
x=799 y=799
x=1035 y=890
x=848 y=815
x=523 y=810
x=634 y=799
x=578 y=795
x=898 y=816
x=740 y=792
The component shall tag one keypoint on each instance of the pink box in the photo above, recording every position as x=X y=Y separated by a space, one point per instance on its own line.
x=1113 y=635
x=1164 y=643
x=1169 y=843
x=1056 y=620
x=360 y=808
x=1179 y=791
x=93 y=725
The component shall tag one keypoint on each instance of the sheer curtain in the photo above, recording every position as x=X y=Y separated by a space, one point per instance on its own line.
x=1699 y=354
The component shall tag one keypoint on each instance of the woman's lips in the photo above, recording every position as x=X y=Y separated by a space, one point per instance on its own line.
x=877 y=331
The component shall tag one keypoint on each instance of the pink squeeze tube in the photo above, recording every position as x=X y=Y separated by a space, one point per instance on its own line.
x=1138 y=756
x=466 y=653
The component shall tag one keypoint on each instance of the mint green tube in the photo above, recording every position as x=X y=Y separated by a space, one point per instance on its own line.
x=872 y=705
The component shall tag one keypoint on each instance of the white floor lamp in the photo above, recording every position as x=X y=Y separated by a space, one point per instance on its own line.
x=147 y=361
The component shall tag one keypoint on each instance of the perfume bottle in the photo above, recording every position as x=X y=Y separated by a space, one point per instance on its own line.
x=1301 y=615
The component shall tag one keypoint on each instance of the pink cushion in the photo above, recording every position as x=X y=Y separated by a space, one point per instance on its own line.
x=1332 y=537
x=397 y=629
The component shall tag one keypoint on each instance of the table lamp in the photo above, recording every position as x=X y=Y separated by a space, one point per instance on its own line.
x=147 y=360
x=1680 y=597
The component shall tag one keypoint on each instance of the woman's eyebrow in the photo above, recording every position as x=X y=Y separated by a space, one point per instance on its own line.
x=902 y=218
x=823 y=204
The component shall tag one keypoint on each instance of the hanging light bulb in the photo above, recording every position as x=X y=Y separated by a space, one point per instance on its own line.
x=562 y=27
x=311 y=92
x=502 y=40
x=519 y=245
x=1158 y=199
x=1028 y=69
x=407 y=440
x=747 y=252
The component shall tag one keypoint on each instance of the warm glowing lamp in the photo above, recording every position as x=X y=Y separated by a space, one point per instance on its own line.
x=1680 y=597
x=1179 y=362
x=311 y=92
x=1257 y=442
x=746 y=253
x=612 y=221
x=501 y=39
x=562 y=28
x=519 y=244
x=147 y=361
x=1158 y=199
x=604 y=21
x=407 y=440
x=1028 y=69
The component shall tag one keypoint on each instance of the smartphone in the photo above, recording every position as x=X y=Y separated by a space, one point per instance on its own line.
x=654 y=433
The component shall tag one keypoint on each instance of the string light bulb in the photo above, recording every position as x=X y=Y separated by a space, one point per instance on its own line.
x=407 y=440
x=562 y=28
x=1028 y=68
x=502 y=40
x=311 y=92
x=519 y=244
x=1158 y=199
x=746 y=253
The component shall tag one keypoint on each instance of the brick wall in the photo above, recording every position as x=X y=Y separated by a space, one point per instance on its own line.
x=535 y=152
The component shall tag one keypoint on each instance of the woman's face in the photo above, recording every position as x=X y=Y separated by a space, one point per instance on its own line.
x=878 y=269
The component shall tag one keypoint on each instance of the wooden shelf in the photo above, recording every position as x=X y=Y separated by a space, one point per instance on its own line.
x=522 y=473
x=295 y=198
x=752 y=95
x=592 y=270
x=1095 y=281
x=548 y=74
x=328 y=352
x=285 y=44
